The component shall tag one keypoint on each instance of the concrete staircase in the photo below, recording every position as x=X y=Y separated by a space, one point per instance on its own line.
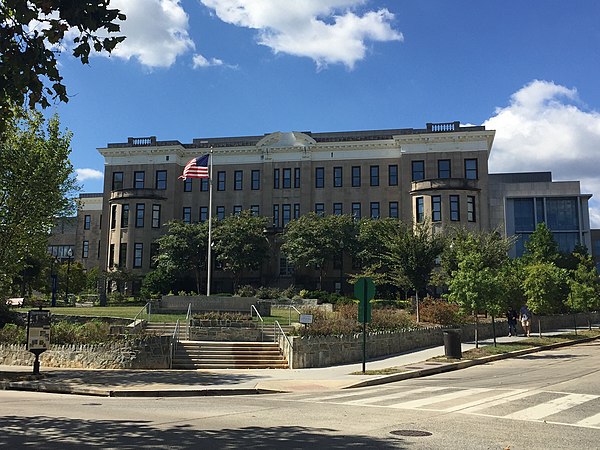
x=165 y=329
x=228 y=355
x=269 y=332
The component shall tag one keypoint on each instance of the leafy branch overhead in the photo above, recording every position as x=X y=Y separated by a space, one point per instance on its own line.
x=32 y=34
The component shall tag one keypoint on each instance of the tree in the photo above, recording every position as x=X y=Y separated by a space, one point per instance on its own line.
x=32 y=34
x=241 y=244
x=36 y=183
x=584 y=286
x=541 y=246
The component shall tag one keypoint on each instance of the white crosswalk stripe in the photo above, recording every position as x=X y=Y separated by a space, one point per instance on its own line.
x=546 y=409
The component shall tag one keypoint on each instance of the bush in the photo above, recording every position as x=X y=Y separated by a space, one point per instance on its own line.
x=13 y=334
x=268 y=293
x=62 y=332
x=246 y=291
x=390 y=319
x=441 y=312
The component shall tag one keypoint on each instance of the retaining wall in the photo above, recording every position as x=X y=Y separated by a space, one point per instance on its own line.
x=202 y=303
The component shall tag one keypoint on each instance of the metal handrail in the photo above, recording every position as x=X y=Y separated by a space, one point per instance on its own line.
x=148 y=308
x=262 y=322
x=280 y=331
x=188 y=318
x=174 y=342
x=290 y=313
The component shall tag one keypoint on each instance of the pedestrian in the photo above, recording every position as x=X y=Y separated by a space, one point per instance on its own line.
x=525 y=320
x=512 y=316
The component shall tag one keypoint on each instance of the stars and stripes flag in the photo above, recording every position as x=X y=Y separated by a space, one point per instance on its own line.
x=196 y=168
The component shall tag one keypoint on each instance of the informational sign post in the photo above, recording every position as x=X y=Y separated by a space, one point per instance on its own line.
x=364 y=290
x=38 y=335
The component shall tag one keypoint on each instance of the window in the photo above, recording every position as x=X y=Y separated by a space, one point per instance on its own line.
x=187 y=214
x=111 y=255
x=337 y=177
x=255 y=210
x=393 y=175
x=355 y=176
x=237 y=209
x=139 y=215
x=220 y=212
x=471 y=217
x=255 y=183
x=297 y=177
x=203 y=213
x=113 y=217
x=374 y=172
x=137 y=254
x=87 y=222
x=220 y=180
x=471 y=169
x=286 y=214
x=393 y=206
x=204 y=184
x=420 y=208
x=418 y=170
x=338 y=209
x=117 y=181
x=356 y=213
x=436 y=208
x=153 y=254
x=187 y=185
x=161 y=180
x=155 y=216
x=285 y=267
x=319 y=177
x=444 y=168
x=238 y=177
x=276 y=216
x=287 y=178
x=85 y=250
x=320 y=209
x=125 y=216
x=123 y=254
x=138 y=179
x=276 y=179
x=296 y=210
x=562 y=213
x=454 y=208
x=375 y=213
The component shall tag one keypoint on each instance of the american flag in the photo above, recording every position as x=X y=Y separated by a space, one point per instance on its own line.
x=196 y=168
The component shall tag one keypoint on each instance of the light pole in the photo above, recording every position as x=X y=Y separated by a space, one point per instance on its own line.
x=69 y=256
x=54 y=278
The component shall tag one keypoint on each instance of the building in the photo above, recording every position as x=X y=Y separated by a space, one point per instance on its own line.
x=438 y=173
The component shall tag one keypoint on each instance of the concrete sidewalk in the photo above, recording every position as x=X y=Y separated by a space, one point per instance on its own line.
x=153 y=383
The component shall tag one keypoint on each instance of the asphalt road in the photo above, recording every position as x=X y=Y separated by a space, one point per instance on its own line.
x=546 y=400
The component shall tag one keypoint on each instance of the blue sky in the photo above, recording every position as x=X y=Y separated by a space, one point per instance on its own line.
x=206 y=68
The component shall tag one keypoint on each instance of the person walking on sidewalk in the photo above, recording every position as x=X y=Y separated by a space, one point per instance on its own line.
x=512 y=316
x=525 y=320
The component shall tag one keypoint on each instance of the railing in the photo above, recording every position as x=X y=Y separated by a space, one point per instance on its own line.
x=253 y=311
x=290 y=307
x=174 y=342
x=146 y=312
x=278 y=331
x=141 y=142
x=438 y=127
x=188 y=319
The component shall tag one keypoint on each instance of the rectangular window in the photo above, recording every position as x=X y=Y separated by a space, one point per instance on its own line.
x=87 y=222
x=562 y=213
x=418 y=170
x=394 y=210
x=471 y=169
x=436 y=208
x=220 y=180
x=276 y=179
x=393 y=175
x=287 y=178
x=356 y=213
x=255 y=175
x=375 y=210
x=237 y=209
x=125 y=216
x=255 y=210
x=471 y=217
x=296 y=211
x=138 y=179
x=319 y=177
x=454 y=208
x=337 y=177
x=355 y=176
x=238 y=178
x=220 y=212
x=296 y=177
x=187 y=214
x=320 y=209
x=155 y=216
x=203 y=213
x=123 y=254
x=161 y=180
x=187 y=185
x=420 y=208
x=338 y=209
x=374 y=173
x=85 y=250
x=138 y=254
x=276 y=216
x=117 y=181
x=285 y=267
x=111 y=255
x=286 y=214
x=139 y=215
x=444 y=168
x=113 y=217
x=204 y=184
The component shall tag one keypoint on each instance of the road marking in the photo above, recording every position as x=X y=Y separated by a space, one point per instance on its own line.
x=592 y=421
x=378 y=398
x=551 y=407
x=484 y=401
x=475 y=409
x=347 y=393
x=413 y=404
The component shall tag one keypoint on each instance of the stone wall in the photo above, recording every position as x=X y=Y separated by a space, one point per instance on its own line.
x=228 y=334
x=202 y=303
x=152 y=352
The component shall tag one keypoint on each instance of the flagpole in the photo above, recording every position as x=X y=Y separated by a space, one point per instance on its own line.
x=209 y=262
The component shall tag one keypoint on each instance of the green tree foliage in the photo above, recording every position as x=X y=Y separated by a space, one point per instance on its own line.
x=36 y=181
x=584 y=286
x=541 y=246
x=31 y=35
x=545 y=287
x=240 y=243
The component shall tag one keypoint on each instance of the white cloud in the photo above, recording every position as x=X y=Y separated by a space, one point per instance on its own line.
x=327 y=31
x=200 y=61
x=88 y=174
x=546 y=127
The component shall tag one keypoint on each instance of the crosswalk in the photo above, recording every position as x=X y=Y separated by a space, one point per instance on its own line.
x=563 y=408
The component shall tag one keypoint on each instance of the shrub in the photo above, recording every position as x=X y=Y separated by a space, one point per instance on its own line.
x=246 y=291
x=390 y=319
x=13 y=334
x=441 y=312
x=268 y=293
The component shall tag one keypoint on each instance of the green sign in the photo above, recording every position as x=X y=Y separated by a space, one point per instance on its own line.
x=364 y=290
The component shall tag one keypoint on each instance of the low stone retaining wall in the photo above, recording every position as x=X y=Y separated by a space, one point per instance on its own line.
x=202 y=303
x=152 y=352
x=229 y=334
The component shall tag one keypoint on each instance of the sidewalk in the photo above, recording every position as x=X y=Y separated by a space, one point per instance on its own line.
x=163 y=383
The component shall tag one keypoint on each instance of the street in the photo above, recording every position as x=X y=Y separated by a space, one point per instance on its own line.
x=545 y=400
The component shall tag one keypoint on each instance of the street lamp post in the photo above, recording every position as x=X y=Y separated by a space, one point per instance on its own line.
x=69 y=256
x=54 y=278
